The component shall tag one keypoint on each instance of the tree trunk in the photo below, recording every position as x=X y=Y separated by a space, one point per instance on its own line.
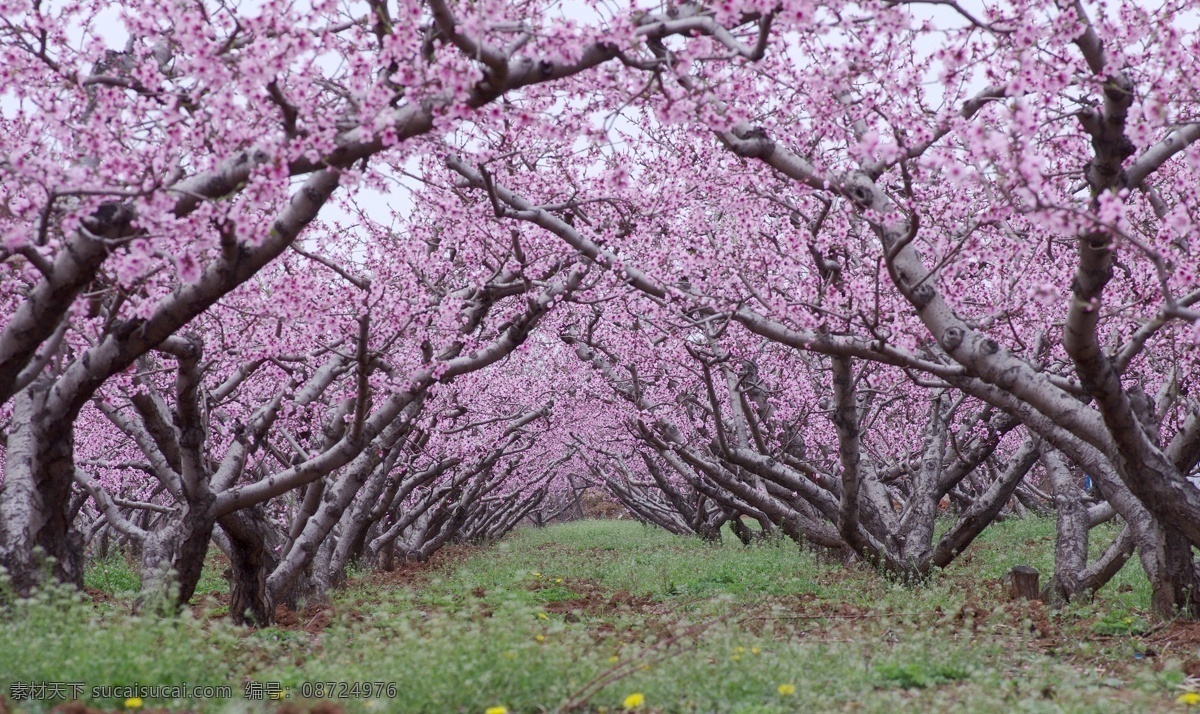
x=173 y=557
x=252 y=558
x=325 y=576
x=1175 y=588
x=1071 y=534
x=744 y=534
x=920 y=513
x=35 y=519
x=387 y=557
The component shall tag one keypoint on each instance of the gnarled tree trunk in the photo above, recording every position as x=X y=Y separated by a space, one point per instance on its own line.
x=252 y=542
x=36 y=534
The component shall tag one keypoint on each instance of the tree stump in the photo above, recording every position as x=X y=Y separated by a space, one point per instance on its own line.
x=1021 y=583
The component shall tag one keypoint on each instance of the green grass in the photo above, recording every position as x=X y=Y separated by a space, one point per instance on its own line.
x=592 y=612
x=113 y=575
x=118 y=576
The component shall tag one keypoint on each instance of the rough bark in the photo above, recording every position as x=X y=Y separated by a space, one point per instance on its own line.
x=35 y=518
x=173 y=559
x=1022 y=583
x=1071 y=535
x=251 y=540
x=920 y=513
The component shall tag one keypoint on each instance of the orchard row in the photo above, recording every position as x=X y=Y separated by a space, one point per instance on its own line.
x=348 y=281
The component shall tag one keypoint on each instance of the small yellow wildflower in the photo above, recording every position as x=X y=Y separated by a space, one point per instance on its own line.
x=735 y=658
x=1189 y=699
x=739 y=650
x=558 y=581
x=536 y=574
x=134 y=703
x=634 y=701
x=614 y=658
x=786 y=690
x=540 y=638
x=496 y=710
x=542 y=616
x=755 y=650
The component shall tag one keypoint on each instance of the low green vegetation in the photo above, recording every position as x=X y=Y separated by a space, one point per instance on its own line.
x=598 y=615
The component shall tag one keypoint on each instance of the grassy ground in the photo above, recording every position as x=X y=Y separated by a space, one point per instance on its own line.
x=592 y=616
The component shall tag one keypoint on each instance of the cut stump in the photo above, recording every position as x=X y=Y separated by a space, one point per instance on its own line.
x=1022 y=583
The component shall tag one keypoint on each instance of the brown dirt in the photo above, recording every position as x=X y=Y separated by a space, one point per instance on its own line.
x=1180 y=637
x=203 y=606
x=593 y=600
x=410 y=573
x=97 y=596
x=598 y=504
x=312 y=619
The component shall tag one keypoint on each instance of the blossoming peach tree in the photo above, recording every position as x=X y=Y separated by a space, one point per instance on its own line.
x=148 y=182
x=345 y=281
x=997 y=205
